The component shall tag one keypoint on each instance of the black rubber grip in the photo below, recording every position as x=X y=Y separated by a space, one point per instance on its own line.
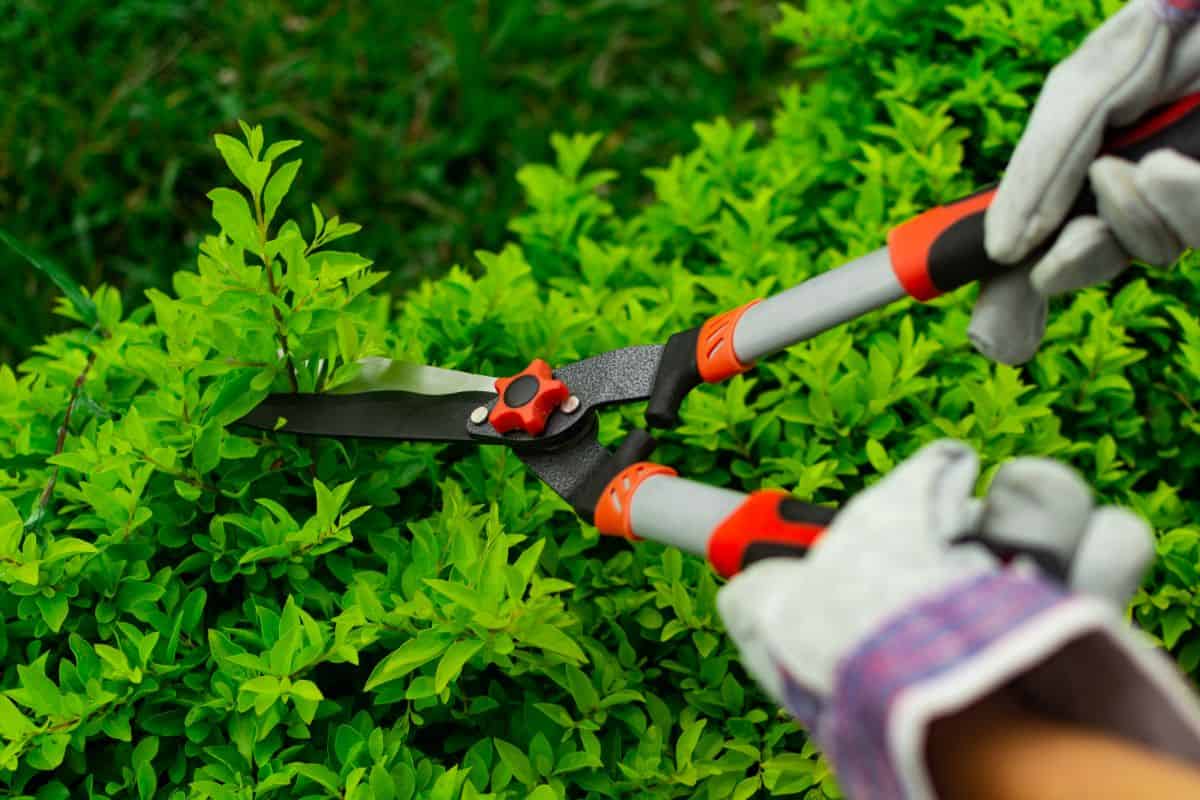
x=792 y=510
x=958 y=256
x=761 y=551
x=770 y=541
x=678 y=374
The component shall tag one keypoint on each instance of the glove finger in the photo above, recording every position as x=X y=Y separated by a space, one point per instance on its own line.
x=1111 y=79
x=929 y=493
x=746 y=605
x=1116 y=550
x=1085 y=254
x=1038 y=508
x=1170 y=182
x=1009 y=319
x=1134 y=221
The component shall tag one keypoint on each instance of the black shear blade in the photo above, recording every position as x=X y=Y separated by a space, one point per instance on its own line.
x=393 y=415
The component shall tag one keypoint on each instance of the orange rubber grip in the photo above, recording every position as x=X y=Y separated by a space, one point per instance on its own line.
x=715 y=357
x=612 y=514
x=770 y=524
x=911 y=244
x=942 y=249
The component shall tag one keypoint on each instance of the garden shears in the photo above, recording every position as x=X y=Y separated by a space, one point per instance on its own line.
x=548 y=416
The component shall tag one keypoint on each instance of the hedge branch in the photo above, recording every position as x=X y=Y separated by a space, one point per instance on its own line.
x=282 y=329
x=48 y=492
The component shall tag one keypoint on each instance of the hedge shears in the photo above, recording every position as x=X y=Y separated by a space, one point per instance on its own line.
x=548 y=416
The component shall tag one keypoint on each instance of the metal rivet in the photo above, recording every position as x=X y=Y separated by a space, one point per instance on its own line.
x=571 y=405
x=479 y=415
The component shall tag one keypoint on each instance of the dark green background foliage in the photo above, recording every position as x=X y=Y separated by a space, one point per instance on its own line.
x=416 y=112
x=198 y=612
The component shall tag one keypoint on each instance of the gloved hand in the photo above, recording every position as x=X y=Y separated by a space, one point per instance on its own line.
x=1146 y=55
x=900 y=615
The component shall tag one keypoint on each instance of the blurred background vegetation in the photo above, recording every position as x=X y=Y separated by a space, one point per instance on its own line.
x=416 y=115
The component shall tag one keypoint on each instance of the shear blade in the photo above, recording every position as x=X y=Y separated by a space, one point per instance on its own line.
x=386 y=414
x=386 y=374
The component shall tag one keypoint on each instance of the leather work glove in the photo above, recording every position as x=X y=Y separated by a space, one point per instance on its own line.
x=1146 y=55
x=900 y=614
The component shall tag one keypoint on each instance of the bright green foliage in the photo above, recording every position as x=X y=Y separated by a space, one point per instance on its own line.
x=196 y=611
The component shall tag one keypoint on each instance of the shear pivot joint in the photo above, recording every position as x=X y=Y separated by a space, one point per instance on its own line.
x=527 y=399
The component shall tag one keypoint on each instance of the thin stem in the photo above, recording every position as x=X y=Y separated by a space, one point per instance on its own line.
x=179 y=476
x=281 y=330
x=76 y=388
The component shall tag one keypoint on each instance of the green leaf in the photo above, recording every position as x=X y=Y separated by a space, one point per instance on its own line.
x=347 y=337
x=8 y=512
x=66 y=547
x=114 y=658
x=318 y=221
x=83 y=305
x=320 y=774
x=147 y=781
x=48 y=751
x=578 y=760
x=381 y=783
x=234 y=398
x=463 y=596
x=878 y=457
x=254 y=137
x=517 y=762
x=39 y=693
x=582 y=691
x=232 y=213
x=404 y=659
x=280 y=148
x=206 y=455
x=26 y=573
x=249 y=172
x=117 y=726
x=555 y=641
x=556 y=714
x=747 y=788
x=541 y=754
x=145 y=751
x=453 y=661
x=277 y=188
x=54 y=610
x=13 y=724
x=1175 y=623
x=306 y=690
x=686 y=744
x=333 y=265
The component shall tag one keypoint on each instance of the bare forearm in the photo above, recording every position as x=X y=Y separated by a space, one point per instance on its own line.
x=997 y=750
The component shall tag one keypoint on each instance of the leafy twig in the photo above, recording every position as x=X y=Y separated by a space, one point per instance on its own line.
x=191 y=480
x=282 y=330
x=43 y=502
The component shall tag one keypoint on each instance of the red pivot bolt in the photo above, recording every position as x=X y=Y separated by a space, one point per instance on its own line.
x=527 y=399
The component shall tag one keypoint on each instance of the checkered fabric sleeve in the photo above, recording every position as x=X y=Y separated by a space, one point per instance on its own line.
x=1177 y=10
x=961 y=644
x=928 y=641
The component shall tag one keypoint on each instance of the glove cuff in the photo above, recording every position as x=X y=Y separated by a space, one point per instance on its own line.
x=942 y=655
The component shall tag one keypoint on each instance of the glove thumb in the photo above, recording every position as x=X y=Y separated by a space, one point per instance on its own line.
x=1009 y=318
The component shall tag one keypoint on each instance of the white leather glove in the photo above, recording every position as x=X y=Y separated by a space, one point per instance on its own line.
x=1146 y=55
x=893 y=620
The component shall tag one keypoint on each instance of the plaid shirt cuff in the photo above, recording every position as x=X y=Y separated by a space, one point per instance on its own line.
x=930 y=643
x=1177 y=10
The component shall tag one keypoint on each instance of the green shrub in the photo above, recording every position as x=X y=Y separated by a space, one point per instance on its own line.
x=195 y=611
